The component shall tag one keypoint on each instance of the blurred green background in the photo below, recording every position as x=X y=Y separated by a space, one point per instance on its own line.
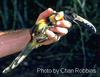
x=69 y=52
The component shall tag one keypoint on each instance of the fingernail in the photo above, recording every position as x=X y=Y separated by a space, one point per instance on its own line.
x=54 y=11
x=60 y=15
x=50 y=9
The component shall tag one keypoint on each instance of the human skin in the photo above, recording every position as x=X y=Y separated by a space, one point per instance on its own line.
x=14 y=41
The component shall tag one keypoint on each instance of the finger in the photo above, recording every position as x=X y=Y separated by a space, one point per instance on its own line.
x=59 y=30
x=52 y=35
x=45 y=14
x=64 y=23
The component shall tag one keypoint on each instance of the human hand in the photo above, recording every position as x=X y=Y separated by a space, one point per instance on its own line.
x=56 y=32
